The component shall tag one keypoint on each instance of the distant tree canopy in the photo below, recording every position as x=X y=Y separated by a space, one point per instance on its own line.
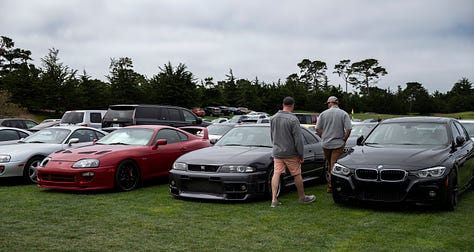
x=54 y=86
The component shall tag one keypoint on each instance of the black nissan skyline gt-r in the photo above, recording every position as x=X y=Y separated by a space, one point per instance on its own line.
x=422 y=160
x=240 y=166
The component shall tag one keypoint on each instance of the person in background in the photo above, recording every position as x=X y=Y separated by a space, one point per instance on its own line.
x=287 y=150
x=334 y=127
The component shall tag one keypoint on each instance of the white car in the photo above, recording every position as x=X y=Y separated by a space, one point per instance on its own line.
x=22 y=159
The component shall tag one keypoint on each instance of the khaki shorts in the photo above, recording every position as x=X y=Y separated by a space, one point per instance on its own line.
x=292 y=164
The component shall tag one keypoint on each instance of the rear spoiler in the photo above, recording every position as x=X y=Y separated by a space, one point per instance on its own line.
x=196 y=130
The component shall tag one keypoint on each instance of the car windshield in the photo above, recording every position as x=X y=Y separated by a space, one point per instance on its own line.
x=247 y=136
x=361 y=129
x=132 y=136
x=219 y=129
x=48 y=135
x=409 y=133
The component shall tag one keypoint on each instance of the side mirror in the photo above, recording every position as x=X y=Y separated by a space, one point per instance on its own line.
x=460 y=140
x=198 y=120
x=160 y=142
x=214 y=140
x=73 y=140
x=360 y=140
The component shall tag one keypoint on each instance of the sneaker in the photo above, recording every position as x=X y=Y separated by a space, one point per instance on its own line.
x=308 y=199
x=275 y=204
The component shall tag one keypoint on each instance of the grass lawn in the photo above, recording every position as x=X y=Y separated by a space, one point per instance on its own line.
x=149 y=219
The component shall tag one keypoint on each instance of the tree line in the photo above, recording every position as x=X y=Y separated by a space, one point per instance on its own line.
x=54 y=86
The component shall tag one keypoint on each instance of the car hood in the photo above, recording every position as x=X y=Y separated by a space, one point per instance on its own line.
x=219 y=155
x=92 y=151
x=19 y=151
x=406 y=157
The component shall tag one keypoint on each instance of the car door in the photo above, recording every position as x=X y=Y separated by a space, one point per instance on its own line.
x=313 y=154
x=164 y=156
x=464 y=156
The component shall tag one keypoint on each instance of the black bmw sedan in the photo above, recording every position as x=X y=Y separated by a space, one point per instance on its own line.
x=422 y=160
x=240 y=166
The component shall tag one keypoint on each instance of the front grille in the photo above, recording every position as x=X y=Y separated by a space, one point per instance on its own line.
x=57 y=178
x=366 y=174
x=392 y=175
x=387 y=175
x=203 y=168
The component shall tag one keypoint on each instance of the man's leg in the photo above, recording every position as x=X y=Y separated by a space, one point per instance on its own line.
x=328 y=153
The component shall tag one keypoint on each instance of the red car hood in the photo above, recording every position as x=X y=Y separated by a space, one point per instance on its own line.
x=93 y=151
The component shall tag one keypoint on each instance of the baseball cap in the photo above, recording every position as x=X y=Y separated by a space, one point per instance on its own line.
x=332 y=99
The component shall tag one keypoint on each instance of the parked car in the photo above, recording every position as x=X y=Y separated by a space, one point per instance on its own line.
x=220 y=120
x=240 y=166
x=87 y=118
x=213 y=111
x=23 y=158
x=123 y=115
x=469 y=125
x=120 y=160
x=10 y=135
x=20 y=123
x=43 y=125
x=217 y=130
x=198 y=111
x=422 y=160
x=307 y=118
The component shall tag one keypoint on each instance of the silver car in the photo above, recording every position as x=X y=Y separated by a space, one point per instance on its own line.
x=22 y=159
x=10 y=135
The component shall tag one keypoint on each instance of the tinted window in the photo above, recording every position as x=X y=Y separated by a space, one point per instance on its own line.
x=22 y=134
x=188 y=116
x=461 y=130
x=170 y=135
x=7 y=135
x=96 y=117
x=119 y=114
x=174 y=114
x=73 y=117
x=84 y=135
x=147 y=112
x=308 y=137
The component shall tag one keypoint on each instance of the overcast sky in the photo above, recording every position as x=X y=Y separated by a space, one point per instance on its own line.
x=425 y=41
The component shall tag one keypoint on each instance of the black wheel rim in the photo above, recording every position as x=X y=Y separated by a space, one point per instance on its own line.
x=127 y=176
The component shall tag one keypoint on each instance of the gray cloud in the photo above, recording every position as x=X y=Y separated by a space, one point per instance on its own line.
x=427 y=41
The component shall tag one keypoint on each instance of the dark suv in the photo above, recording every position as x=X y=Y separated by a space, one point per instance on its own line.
x=127 y=114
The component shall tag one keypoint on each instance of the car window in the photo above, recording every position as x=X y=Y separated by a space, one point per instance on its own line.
x=174 y=114
x=147 y=112
x=462 y=131
x=308 y=138
x=98 y=135
x=7 y=135
x=30 y=124
x=95 y=117
x=49 y=135
x=84 y=135
x=188 y=116
x=22 y=134
x=73 y=117
x=170 y=135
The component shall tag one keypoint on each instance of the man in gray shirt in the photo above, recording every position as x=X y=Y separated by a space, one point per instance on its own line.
x=287 y=150
x=334 y=127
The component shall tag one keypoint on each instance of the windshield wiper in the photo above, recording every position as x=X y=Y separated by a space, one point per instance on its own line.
x=118 y=143
x=35 y=142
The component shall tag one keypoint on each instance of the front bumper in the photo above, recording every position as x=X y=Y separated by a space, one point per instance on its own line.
x=83 y=179
x=217 y=186
x=12 y=169
x=427 y=191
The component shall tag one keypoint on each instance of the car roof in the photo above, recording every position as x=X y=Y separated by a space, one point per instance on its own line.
x=17 y=129
x=466 y=121
x=429 y=119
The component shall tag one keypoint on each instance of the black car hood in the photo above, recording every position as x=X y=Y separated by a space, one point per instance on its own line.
x=400 y=156
x=218 y=155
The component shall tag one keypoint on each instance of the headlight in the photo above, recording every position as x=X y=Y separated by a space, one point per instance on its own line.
x=341 y=170
x=86 y=163
x=237 y=169
x=45 y=161
x=432 y=172
x=4 y=158
x=180 y=166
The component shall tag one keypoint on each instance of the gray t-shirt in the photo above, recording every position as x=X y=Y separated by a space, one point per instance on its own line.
x=286 y=135
x=333 y=122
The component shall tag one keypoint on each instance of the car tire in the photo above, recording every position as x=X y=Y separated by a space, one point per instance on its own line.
x=336 y=197
x=324 y=178
x=269 y=184
x=451 y=199
x=127 y=176
x=30 y=172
